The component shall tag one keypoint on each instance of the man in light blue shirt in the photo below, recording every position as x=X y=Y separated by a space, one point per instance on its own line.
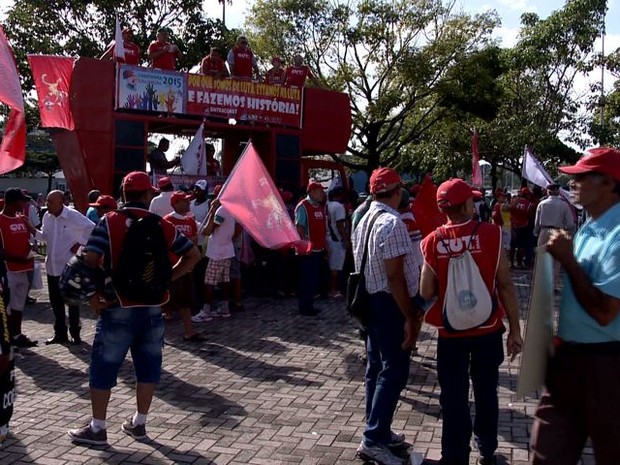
x=582 y=399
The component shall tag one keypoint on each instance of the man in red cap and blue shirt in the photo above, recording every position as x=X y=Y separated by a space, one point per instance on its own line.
x=311 y=222
x=582 y=396
x=466 y=346
x=394 y=321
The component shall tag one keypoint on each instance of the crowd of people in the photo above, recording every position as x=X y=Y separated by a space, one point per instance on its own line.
x=456 y=279
x=241 y=62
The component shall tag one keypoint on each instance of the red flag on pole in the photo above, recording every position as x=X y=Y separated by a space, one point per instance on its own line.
x=425 y=208
x=476 y=171
x=52 y=79
x=13 y=147
x=251 y=197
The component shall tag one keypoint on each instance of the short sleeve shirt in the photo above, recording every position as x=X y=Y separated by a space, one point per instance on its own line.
x=597 y=249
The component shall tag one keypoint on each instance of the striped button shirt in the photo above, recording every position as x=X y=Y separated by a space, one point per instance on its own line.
x=388 y=239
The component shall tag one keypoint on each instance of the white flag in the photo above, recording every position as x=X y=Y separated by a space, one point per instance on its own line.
x=194 y=160
x=119 y=44
x=533 y=171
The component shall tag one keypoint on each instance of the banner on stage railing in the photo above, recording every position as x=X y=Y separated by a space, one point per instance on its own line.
x=243 y=101
x=149 y=89
x=187 y=181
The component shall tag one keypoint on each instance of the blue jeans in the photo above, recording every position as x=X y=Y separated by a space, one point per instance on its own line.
x=387 y=370
x=139 y=329
x=310 y=270
x=456 y=359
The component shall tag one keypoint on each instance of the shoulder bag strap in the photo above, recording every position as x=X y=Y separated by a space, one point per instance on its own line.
x=367 y=240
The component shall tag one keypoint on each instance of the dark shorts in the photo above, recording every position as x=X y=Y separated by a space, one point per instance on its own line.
x=182 y=292
x=119 y=330
x=522 y=237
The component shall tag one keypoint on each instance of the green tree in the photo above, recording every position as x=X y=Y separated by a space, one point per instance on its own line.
x=40 y=157
x=390 y=57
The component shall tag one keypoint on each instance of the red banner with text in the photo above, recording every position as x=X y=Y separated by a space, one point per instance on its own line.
x=243 y=101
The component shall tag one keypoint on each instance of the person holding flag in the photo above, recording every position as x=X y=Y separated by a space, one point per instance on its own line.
x=131 y=52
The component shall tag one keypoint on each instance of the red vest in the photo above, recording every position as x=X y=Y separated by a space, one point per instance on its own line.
x=244 y=63
x=117 y=229
x=186 y=226
x=16 y=241
x=317 y=224
x=275 y=76
x=212 y=66
x=485 y=249
x=296 y=75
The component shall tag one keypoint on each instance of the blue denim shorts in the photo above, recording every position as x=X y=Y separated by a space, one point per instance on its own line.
x=119 y=330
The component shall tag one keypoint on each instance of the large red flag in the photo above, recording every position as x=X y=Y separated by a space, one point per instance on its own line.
x=251 y=197
x=425 y=208
x=476 y=171
x=52 y=78
x=13 y=147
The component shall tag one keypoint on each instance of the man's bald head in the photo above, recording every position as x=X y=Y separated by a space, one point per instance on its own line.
x=55 y=202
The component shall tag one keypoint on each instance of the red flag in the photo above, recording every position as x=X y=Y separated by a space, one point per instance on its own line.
x=52 y=78
x=251 y=197
x=476 y=171
x=13 y=147
x=425 y=208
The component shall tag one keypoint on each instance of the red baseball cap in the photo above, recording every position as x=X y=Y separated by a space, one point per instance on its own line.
x=453 y=192
x=104 y=201
x=383 y=180
x=137 y=181
x=604 y=160
x=164 y=182
x=287 y=196
x=525 y=191
x=477 y=195
x=500 y=192
x=177 y=196
x=314 y=186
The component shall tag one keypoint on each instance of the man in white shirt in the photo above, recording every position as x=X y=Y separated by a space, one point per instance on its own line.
x=160 y=205
x=220 y=251
x=337 y=237
x=64 y=230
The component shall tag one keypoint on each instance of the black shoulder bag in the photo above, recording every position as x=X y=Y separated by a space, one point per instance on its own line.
x=358 y=298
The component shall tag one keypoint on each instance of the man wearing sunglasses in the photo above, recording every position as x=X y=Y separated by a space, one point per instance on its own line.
x=582 y=393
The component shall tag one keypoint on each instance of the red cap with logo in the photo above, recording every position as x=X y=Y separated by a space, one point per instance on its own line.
x=177 y=196
x=453 y=192
x=104 y=201
x=383 y=180
x=314 y=186
x=604 y=160
x=137 y=181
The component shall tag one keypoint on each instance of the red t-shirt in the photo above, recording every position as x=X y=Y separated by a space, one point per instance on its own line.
x=16 y=241
x=132 y=54
x=486 y=247
x=167 y=61
x=519 y=212
x=244 y=63
x=212 y=66
x=296 y=75
x=275 y=76
x=186 y=226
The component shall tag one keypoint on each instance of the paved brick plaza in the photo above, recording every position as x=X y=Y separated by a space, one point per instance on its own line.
x=269 y=387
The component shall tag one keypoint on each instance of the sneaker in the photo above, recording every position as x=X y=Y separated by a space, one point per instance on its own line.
x=397 y=439
x=222 y=312
x=378 y=453
x=24 y=341
x=86 y=435
x=136 y=432
x=202 y=317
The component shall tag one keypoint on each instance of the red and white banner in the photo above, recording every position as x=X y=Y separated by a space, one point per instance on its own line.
x=425 y=209
x=251 y=197
x=13 y=147
x=52 y=79
x=243 y=100
x=476 y=170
